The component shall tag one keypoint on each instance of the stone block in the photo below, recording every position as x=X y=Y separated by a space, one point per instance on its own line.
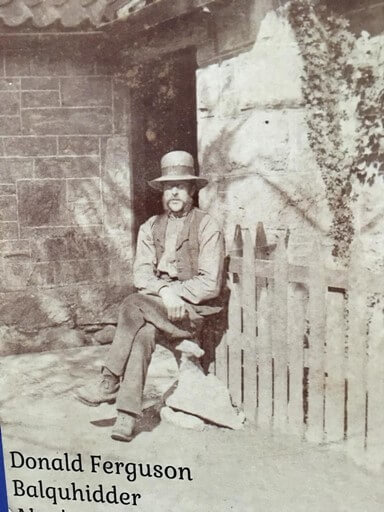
x=30 y=146
x=10 y=125
x=49 y=249
x=74 y=271
x=38 y=99
x=8 y=208
x=9 y=103
x=98 y=304
x=39 y=83
x=42 y=202
x=67 y=121
x=87 y=189
x=67 y=167
x=86 y=91
x=15 y=272
x=15 y=248
x=9 y=84
x=79 y=145
x=85 y=213
x=9 y=230
x=7 y=189
x=105 y=335
x=17 y=63
x=80 y=63
x=15 y=169
x=37 y=233
x=81 y=247
x=31 y=312
x=81 y=271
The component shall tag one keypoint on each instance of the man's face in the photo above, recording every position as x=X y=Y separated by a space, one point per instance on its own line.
x=177 y=195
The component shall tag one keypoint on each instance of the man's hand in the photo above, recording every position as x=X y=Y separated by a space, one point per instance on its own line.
x=174 y=304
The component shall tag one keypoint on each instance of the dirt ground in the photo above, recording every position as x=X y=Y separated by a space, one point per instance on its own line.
x=232 y=471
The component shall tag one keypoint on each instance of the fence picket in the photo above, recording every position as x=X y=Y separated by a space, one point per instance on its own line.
x=248 y=301
x=297 y=305
x=235 y=335
x=293 y=357
x=221 y=360
x=357 y=349
x=316 y=356
x=264 y=356
x=335 y=367
x=375 y=376
x=279 y=337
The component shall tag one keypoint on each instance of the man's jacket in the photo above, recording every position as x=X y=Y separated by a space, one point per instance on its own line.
x=195 y=267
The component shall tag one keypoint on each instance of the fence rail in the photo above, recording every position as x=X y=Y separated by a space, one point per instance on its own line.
x=304 y=348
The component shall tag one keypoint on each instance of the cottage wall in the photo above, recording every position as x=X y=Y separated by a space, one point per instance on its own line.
x=253 y=132
x=64 y=193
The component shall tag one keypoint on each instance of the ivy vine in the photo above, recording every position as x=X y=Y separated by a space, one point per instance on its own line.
x=341 y=87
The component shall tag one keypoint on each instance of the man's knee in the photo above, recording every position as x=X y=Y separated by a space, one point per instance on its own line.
x=146 y=338
x=129 y=304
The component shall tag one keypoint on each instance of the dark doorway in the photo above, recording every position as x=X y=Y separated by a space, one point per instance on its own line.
x=163 y=119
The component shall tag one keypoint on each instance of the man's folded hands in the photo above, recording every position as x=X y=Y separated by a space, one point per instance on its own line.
x=175 y=305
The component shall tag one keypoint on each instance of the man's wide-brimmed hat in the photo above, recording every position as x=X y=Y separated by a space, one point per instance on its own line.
x=177 y=166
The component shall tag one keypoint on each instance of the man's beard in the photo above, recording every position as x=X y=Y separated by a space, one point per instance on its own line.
x=187 y=205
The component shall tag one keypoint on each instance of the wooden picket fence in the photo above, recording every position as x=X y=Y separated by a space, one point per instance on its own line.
x=304 y=348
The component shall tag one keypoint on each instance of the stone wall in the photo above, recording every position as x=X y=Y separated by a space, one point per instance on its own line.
x=65 y=215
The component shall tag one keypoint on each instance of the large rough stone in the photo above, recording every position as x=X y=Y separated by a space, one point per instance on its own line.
x=181 y=419
x=207 y=397
x=202 y=395
x=105 y=335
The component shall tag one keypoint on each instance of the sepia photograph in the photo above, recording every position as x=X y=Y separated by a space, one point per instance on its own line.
x=191 y=255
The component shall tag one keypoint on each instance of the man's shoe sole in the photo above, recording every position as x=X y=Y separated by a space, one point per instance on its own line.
x=121 y=437
x=84 y=401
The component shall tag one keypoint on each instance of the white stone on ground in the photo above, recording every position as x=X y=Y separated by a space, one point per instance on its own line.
x=181 y=419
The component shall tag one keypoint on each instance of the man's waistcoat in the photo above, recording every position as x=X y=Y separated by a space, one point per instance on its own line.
x=187 y=245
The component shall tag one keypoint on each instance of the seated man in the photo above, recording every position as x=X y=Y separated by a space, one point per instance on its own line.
x=177 y=271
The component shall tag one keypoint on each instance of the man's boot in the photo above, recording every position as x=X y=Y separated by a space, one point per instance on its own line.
x=124 y=427
x=103 y=391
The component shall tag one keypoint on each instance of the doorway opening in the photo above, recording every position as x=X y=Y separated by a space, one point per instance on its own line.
x=163 y=119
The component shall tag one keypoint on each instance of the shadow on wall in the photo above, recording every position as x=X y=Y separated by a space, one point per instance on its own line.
x=63 y=280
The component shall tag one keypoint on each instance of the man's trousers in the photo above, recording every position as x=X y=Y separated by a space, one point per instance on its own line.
x=143 y=322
